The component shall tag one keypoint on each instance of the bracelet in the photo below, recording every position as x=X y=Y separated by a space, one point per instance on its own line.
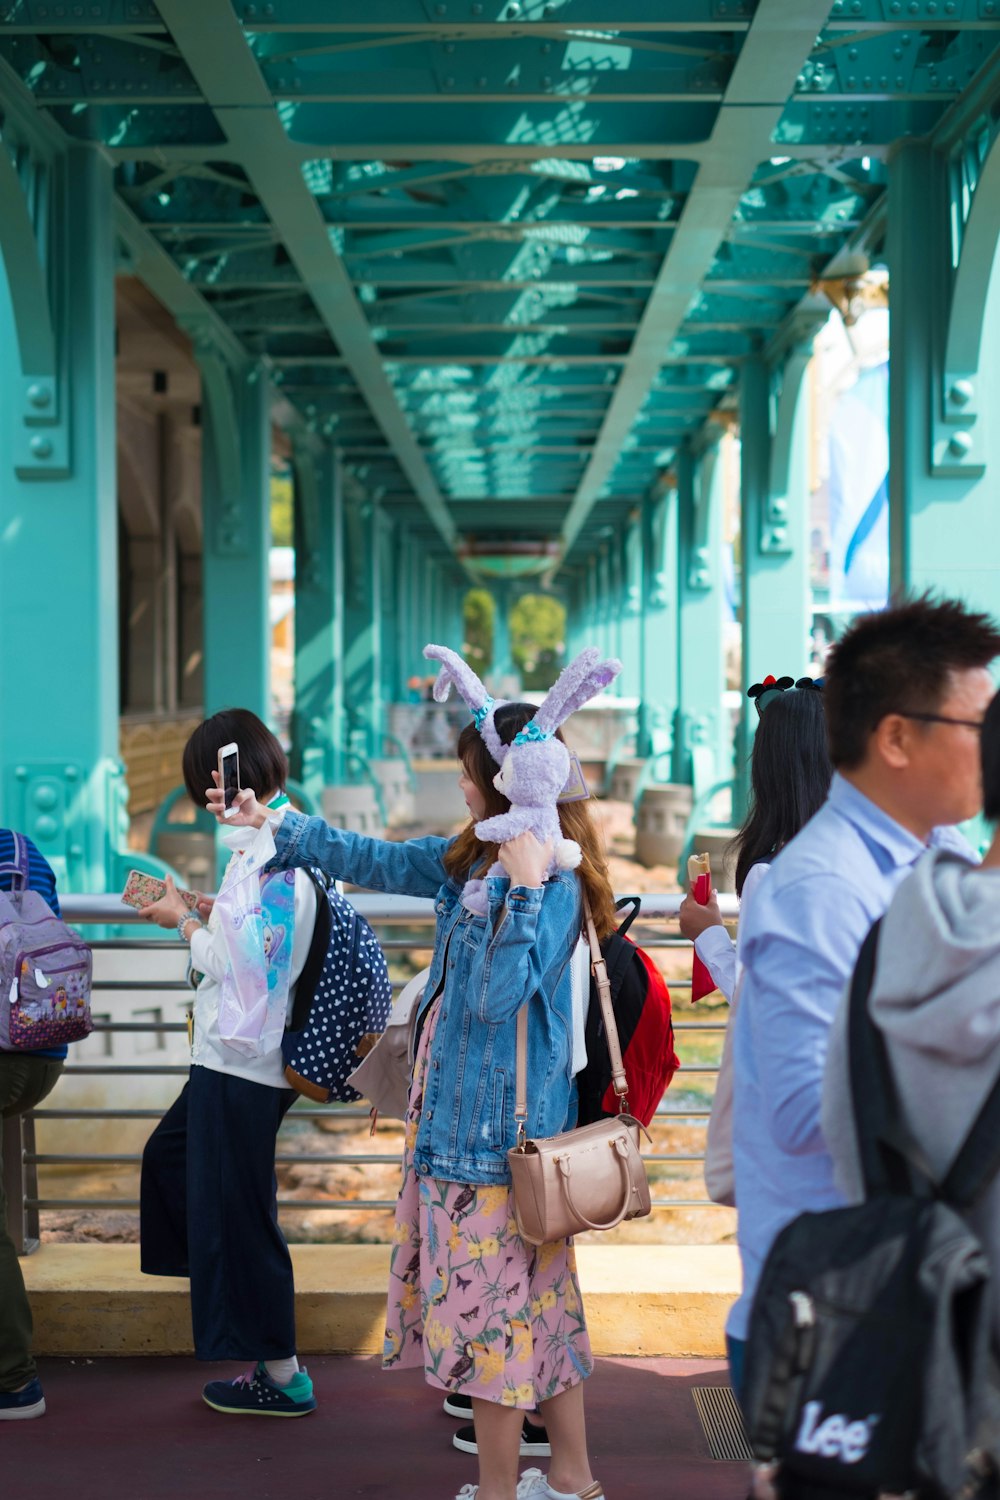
x=188 y=916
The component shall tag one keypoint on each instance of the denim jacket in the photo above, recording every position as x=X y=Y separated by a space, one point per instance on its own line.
x=486 y=968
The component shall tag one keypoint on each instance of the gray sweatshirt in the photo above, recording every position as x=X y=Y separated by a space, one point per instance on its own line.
x=936 y=997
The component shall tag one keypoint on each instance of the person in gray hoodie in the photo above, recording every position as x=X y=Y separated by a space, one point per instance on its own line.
x=936 y=998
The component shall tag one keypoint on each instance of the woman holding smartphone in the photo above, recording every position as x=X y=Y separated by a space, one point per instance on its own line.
x=208 y=1194
x=485 y=1313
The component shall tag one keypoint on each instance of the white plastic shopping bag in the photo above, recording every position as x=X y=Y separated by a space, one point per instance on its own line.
x=254 y=997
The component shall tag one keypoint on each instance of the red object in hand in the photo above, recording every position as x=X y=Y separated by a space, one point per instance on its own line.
x=700 y=877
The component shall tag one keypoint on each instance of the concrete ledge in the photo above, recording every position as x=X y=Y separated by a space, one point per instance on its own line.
x=668 y=1300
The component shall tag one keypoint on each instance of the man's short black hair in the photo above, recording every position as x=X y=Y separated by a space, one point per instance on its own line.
x=990 y=753
x=263 y=763
x=899 y=660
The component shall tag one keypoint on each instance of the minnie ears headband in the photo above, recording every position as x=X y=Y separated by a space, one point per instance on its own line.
x=771 y=688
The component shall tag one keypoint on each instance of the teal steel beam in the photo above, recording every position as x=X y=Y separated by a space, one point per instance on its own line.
x=703 y=750
x=944 y=525
x=958 y=438
x=31 y=157
x=212 y=42
x=147 y=260
x=780 y=38
x=660 y=620
x=318 y=714
x=819 y=152
x=631 y=603
x=61 y=780
x=236 y=497
x=529 y=19
x=774 y=526
x=26 y=276
x=362 y=623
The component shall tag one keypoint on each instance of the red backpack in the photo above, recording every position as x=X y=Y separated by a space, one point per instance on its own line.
x=641 y=1003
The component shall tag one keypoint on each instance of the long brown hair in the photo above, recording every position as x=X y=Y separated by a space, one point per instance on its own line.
x=468 y=855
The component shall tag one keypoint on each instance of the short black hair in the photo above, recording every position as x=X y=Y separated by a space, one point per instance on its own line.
x=899 y=660
x=990 y=754
x=263 y=763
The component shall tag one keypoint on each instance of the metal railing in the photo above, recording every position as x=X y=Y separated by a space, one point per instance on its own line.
x=22 y=1159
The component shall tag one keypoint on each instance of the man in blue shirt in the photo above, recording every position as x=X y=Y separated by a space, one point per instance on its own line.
x=905 y=694
x=25 y=1079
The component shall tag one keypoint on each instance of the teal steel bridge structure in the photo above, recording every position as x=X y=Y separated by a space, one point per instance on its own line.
x=501 y=273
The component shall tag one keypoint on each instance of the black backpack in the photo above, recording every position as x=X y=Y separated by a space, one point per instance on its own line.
x=342 y=993
x=868 y=1364
x=640 y=1000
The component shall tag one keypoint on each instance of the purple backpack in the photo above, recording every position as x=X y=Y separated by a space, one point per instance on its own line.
x=45 y=969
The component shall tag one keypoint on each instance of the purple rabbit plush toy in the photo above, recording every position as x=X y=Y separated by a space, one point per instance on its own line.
x=536 y=766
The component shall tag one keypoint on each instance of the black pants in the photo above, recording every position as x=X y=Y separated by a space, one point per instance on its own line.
x=24 y=1082
x=209 y=1211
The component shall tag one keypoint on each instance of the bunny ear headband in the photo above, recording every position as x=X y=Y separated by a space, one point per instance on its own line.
x=455 y=670
x=586 y=675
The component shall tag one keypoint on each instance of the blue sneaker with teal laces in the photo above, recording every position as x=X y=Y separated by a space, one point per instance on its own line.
x=255 y=1394
x=19 y=1406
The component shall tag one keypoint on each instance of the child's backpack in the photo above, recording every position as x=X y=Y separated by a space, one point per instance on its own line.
x=342 y=993
x=868 y=1360
x=641 y=1003
x=45 y=969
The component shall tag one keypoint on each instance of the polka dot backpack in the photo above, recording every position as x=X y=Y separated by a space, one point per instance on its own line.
x=343 y=994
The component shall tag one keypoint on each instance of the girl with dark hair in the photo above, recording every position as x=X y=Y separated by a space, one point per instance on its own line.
x=790 y=774
x=487 y=1315
x=207 y=1197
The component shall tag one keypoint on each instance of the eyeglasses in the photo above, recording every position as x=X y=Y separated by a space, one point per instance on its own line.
x=942 y=719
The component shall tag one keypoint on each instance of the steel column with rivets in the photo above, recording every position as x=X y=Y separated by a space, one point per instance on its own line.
x=236 y=511
x=774 y=522
x=388 y=583
x=944 y=523
x=631 y=602
x=317 y=719
x=61 y=779
x=362 y=625
x=658 y=675
x=703 y=749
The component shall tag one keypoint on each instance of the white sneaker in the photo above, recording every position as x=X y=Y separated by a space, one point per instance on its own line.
x=532 y=1482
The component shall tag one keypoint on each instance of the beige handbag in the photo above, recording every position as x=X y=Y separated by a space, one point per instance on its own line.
x=591 y=1178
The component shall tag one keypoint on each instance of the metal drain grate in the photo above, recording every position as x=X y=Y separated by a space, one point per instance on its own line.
x=722 y=1422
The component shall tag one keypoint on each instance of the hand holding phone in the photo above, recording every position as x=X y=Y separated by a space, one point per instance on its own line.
x=229 y=776
x=143 y=890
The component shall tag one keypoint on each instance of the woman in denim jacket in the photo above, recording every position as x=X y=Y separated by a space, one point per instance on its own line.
x=488 y=1316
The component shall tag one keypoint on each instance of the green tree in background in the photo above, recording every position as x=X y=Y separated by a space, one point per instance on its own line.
x=478 y=613
x=538 y=639
x=282 y=501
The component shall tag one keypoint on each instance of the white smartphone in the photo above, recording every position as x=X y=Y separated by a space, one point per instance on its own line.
x=229 y=775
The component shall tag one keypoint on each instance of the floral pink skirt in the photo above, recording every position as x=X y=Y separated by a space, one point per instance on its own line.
x=484 y=1312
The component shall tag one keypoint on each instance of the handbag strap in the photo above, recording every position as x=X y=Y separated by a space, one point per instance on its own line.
x=599 y=969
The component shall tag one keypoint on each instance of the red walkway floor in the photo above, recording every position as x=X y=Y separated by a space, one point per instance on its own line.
x=136 y=1429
